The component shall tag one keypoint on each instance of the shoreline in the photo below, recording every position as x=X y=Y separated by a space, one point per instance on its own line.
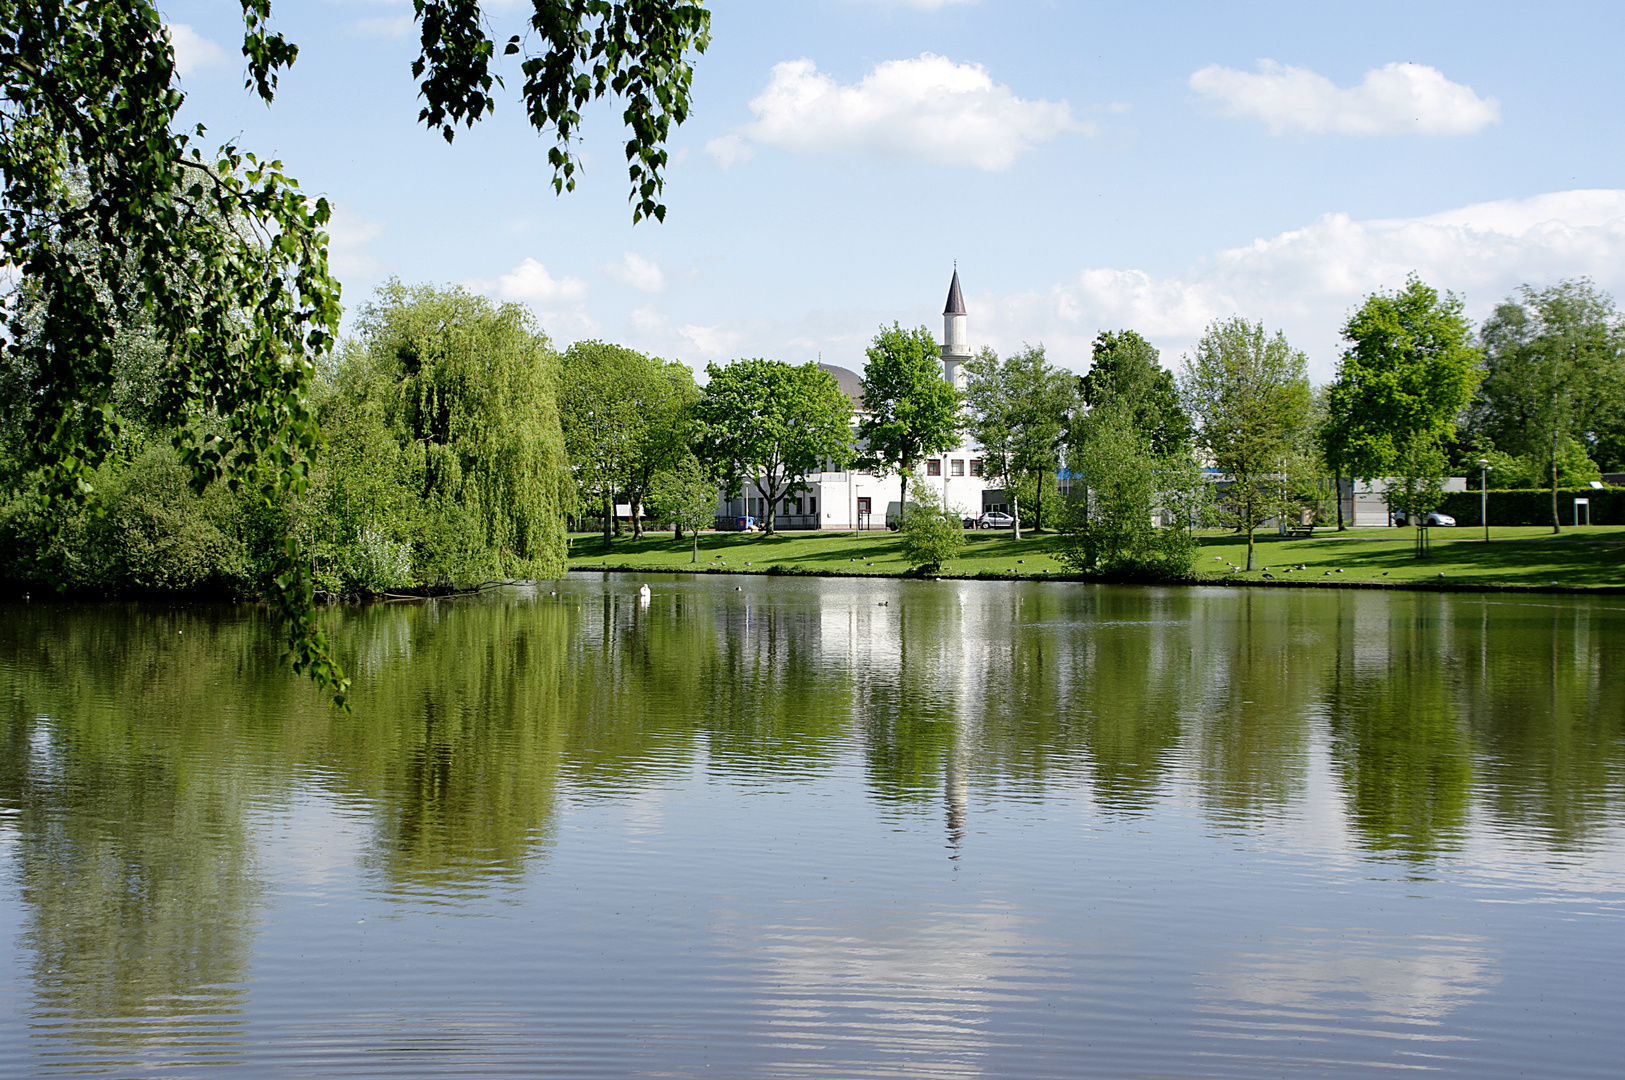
x=1078 y=579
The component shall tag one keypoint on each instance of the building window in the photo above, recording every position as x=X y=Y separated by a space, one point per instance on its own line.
x=958 y=468
x=812 y=505
x=933 y=467
x=976 y=467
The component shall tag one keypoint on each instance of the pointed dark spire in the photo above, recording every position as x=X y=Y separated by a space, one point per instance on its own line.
x=956 y=303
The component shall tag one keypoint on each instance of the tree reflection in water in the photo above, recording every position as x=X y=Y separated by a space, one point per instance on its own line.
x=140 y=744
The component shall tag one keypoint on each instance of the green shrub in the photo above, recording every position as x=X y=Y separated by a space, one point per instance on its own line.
x=375 y=563
x=932 y=534
x=1132 y=509
x=147 y=532
x=1533 y=506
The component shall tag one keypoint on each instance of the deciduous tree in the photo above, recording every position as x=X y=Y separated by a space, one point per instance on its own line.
x=1248 y=392
x=1408 y=371
x=1018 y=413
x=470 y=391
x=909 y=410
x=932 y=532
x=769 y=424
x=609 y=395
x=1555 y=374
x=665 y=433
x=686 y=494
x=1121 y=487
x=1125 y=368
x=112 y=219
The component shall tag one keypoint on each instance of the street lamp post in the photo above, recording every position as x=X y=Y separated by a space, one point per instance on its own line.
x=1484 y=496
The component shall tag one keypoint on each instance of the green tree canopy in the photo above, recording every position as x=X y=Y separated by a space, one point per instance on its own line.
x=1132 y=508
x=665 y=434
x=574 y=52
x=932 y=532
x=1554 y=374
x=1018 y=414
x=469 y=390
x=1125 y=368
x=1407 y=373
x=1249 y=394
x=909 y=410
x=769 y=424
x=686 y=495
x=622 y=412
x=114 y=220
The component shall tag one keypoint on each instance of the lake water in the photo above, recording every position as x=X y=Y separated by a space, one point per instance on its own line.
x=762 y=827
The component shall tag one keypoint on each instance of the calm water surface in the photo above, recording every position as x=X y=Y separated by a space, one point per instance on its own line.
x=783 y=828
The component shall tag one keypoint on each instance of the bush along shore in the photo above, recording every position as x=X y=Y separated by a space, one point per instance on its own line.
x=1516 y=558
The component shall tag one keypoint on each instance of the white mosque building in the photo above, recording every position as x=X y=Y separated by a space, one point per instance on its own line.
x=857 y=499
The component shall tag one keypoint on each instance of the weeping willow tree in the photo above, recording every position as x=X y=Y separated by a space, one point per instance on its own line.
x=463 y=395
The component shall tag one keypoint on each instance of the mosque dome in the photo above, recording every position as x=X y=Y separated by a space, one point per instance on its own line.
x=850 y=382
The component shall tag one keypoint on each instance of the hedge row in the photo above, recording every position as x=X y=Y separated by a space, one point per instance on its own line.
x=1534 y=507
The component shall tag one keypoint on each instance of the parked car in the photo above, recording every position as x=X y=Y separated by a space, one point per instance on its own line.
x=995 y=520
x=1430 y=519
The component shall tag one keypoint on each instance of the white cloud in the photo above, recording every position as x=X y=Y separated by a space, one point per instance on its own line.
x=1306 y=281
x=349 y=237
x=927 y=109
x=642 y=274
x=648 y=320
x=1398 y=99
x=559 y=303
x=385 y=26
x=530 y=283
x=192 y=50
x=711 y=340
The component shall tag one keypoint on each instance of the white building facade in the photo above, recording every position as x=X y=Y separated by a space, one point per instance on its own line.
x=854 y=499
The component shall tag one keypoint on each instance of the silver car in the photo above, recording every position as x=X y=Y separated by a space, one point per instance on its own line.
x=995 y=520
x=1430 y=519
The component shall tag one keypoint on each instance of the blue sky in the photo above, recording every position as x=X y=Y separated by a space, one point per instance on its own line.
x=1089 y=166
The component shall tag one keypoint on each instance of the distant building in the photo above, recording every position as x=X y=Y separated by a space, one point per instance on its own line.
x=1365 y=502
x=853 y=499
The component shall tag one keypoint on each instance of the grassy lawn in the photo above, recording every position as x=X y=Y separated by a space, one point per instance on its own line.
x=1517 y=555
x=1528 y=556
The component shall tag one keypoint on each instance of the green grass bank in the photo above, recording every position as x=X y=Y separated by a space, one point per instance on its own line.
x=1528 y=557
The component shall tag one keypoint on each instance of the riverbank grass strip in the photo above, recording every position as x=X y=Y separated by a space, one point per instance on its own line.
x=1520 y=556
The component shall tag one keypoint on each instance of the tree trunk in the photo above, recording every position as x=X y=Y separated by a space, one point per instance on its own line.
x=1249 y=547
x=1337 y=491
x=609 y=520
x=696 y=557
x=902 y=498
x=767 y=511
x=1015 y=515
x=637 y=517
x=1038 y=518
x=1557 y=526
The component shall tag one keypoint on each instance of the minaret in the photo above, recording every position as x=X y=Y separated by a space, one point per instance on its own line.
x=954 y=350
